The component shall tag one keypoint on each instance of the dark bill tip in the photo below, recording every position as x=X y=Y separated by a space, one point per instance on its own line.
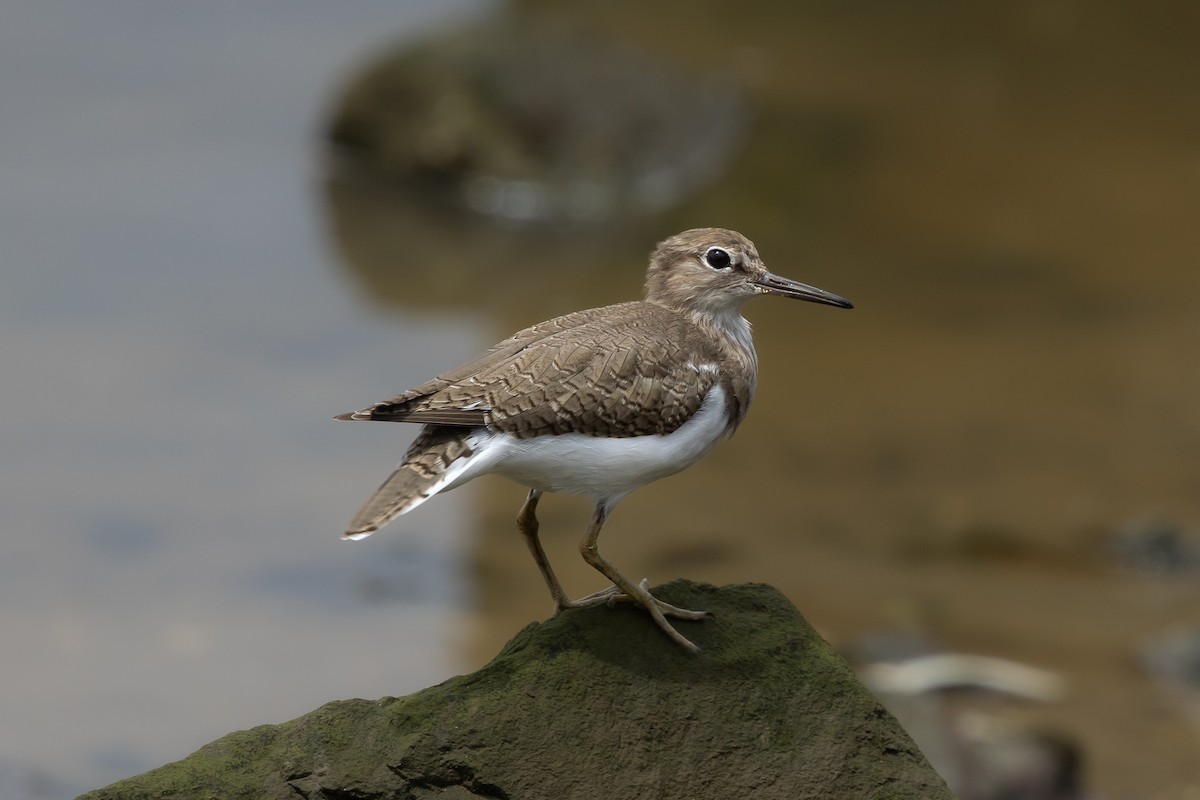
x=785 y=287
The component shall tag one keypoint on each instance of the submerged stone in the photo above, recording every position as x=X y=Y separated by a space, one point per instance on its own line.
x=522 y=121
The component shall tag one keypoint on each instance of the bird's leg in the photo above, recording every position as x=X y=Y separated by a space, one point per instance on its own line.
x=527 y=522
x=625 y=589
x=622 y=590
x=615 y=594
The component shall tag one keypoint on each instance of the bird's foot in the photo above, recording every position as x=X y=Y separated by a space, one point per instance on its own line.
x=609 y=596
x=614 y=594
x=658 y=609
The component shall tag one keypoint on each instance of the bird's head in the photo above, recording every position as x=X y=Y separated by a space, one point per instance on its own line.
x=714 y=271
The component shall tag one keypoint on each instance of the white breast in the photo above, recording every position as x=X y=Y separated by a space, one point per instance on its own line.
x=596 y=466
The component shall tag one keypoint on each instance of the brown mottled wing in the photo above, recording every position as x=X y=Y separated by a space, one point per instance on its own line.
x=414 y=405
x=626 y=370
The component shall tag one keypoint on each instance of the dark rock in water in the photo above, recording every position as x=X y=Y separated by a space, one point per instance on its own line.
x=592 y=703
x=1155 y=547
x=526 y=122
x=1173 y=660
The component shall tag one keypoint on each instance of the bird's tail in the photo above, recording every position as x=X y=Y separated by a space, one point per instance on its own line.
x=436 y=458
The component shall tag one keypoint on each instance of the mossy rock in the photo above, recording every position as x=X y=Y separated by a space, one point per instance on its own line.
x=592 y=703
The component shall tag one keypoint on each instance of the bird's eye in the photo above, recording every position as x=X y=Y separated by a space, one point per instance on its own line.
x=718 y=258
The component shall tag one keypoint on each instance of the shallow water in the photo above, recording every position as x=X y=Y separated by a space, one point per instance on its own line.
x=175 y=340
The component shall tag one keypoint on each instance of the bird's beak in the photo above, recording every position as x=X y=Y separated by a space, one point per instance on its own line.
x=774 y=284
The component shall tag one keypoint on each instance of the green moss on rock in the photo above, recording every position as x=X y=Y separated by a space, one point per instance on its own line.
x=592 y=703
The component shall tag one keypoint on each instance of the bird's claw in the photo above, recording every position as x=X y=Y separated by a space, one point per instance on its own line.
x=658 y=609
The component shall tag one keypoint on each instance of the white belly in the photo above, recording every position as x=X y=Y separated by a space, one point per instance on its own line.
x=595 y=466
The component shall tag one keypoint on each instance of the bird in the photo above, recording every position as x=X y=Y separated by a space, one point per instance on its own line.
x=595 y=403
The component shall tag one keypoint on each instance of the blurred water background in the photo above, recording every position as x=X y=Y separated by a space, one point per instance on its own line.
x=174 y=342
x=223 y=223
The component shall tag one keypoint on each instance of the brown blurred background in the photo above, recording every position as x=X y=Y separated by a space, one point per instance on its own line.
x=998 y=449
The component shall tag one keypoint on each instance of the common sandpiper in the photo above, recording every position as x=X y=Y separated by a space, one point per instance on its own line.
x=595 y=403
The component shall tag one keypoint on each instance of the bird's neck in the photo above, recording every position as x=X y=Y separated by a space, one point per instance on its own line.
x=731 y=332
x=728 y=334
x=726 y=328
